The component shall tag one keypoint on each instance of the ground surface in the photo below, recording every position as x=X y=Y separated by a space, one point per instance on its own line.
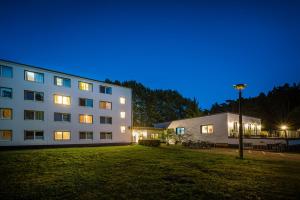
x=137 y=172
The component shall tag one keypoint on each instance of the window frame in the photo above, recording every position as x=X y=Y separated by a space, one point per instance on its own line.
x=35 y=79
x=86 y=135
x=62 y=135
x=34 y=135
x=106 y=133
x=35 y=115
x=84 y=115
x=62 y=116
x=63 y=81
x=86 y=100
x=121 y=115
x=1 y=134
x=208 y=133
x=6 y=88
x=1 y=71
x=62 y=98
x=106 y=102
x=107 y=89
x=123 y=130
x=34 y=95
x=106 y=120
x=11 y=116
x=180 y=132
x=90 y=84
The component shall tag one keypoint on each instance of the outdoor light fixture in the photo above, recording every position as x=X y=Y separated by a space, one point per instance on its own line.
x=240 y=87
x=283 y=127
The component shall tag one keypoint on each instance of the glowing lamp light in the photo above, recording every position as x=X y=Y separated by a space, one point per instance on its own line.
x=283 y=127
x=240 y=86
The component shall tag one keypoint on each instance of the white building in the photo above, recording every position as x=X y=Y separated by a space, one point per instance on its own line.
x=220 y=128
x=44 y=107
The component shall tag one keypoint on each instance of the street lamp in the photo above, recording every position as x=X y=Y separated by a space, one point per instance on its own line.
x=240 y=87
x=284 y=128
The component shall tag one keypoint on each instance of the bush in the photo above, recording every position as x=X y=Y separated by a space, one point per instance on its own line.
x=151 y=143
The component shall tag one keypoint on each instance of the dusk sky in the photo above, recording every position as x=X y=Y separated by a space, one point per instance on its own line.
x=199 y=48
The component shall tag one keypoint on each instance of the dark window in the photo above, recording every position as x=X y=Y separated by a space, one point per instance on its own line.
x=28 y=115
x=39 y=96
x=105 y=120
x=5 y=92
x=62 y=117
x=33 y=135
x=105 y=89
x=28 y=95
x=29 y=135
x=106 y=135
x=86 y=102
x=6 y=71
x=86 y=135
x=102 y=89
x=39 y=135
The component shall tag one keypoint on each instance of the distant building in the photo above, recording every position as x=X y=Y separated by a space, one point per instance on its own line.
x=44 y=107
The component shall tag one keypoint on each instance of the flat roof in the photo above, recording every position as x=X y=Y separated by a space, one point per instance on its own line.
x=54 y=71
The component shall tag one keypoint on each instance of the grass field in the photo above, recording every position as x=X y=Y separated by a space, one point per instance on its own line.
x=137 y=172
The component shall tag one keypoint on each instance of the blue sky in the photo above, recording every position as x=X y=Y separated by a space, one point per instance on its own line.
x=199 y=48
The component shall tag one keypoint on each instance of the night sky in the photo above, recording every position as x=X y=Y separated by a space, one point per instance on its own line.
x=199 y=48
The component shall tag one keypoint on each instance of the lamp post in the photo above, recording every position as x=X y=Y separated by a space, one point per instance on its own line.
x=284 y=128
x=240 y=87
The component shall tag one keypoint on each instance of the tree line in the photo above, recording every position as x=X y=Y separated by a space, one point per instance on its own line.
x=278 y=106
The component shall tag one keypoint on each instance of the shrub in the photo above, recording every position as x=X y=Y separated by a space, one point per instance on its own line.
x=151 y=143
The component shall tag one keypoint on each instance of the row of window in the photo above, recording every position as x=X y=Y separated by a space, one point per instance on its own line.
x=7 y=114
x=204 y=129
x=6 y=135
x=58 y=99
x=38 y=77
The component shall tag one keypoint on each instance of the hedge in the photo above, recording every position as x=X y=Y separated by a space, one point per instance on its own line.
x=151 y=143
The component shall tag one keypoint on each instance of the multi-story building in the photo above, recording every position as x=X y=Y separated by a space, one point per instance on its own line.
x=44 y=107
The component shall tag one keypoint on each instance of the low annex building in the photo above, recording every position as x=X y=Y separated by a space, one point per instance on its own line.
x=39 y=106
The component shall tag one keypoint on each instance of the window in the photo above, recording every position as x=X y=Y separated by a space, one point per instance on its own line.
x=33 y=135
x=105 y=120
x=105 y=105
x=5 y=113
x=105 y=135
x=62 y=135
x=207 y=129
x=63 y=100
x=85 y=86
x=86 y=102
x=123 y=129
x=5 y=135
x=5 y=92
x=86 y=119
x=62 y=117
x=60 y=81
x=6 y=71
x=85 y=135
x=34 y=77
x=34 y=96
x=33 y=115
x=180 y=130
x=122 y=115
x=105 y=89
x=122 y=100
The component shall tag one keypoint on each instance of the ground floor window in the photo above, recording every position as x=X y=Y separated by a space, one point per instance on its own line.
x=5 y=135
x=62 y=135
x=207 y=129
x=180 y=130
x=85 y=135
x=105 y=135
x=33 y=135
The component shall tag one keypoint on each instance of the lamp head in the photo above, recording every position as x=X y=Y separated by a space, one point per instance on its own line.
x=283 y=127
x=240 y=86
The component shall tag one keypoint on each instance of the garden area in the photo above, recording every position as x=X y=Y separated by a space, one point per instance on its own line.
x=141 y=172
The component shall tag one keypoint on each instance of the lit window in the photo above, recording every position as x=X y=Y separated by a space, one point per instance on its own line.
x=6 y=72
x=105 y=135
x=5 y=92
x=5 y=135
x=64 y=100
x=85 y=86
x=33 y=135
x=60 y=81
x=180 y=130
x=34 y=77
x=123 y=129
x=62 y=135
x=5 y=113
x=207 y=129
x=122 y=115
x=105 y=89
x=105 y=105
x=85 y=135
x=86 y=119
x=122 y=100
x=34 y=96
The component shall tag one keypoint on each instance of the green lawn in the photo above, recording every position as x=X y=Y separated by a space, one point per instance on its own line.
x=137 y=172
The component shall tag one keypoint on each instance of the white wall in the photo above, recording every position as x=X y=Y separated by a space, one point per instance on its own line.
x=18 y=104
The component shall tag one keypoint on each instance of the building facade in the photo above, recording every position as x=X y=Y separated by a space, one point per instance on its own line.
x=44 y=107
x=220 y=128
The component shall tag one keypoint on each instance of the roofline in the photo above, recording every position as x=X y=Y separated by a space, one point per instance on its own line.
x=54 y=71
x=206 y=116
